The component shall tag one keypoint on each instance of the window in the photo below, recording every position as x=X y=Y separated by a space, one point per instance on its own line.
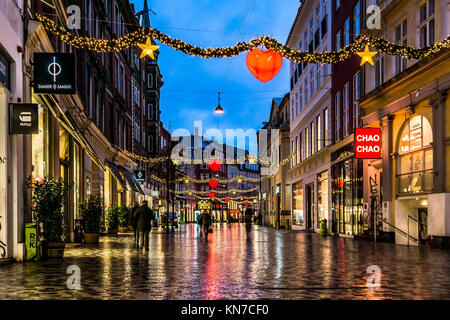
x=400 y=38
x=307 y=143
x=337 y=100
x=379 y=71
x=292 y=150
x=347 y=32
x=297 y=153
x=356 y=96
x=311 y=79
x=150 y=143
x=338 y=4
x=137 y=127
x=357 y=20
x=149 y=80
x=306 y=92
x=346 y=105
x=415 y=157
x=319 y=133
x=300 y=98
x=338 y=41
x=426 y=24
x=300 y=147
x=325 y=125
x=313 y=138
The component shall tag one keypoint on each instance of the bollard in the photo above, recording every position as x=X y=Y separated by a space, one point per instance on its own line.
x=288 y=225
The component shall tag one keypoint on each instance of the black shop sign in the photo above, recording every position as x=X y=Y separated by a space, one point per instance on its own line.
x=54 y=73
x=23 y=118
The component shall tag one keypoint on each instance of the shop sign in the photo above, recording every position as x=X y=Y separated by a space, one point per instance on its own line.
x=368 y=143
x=4 y=70
x=140 y=175
x=54 y=73
x=23 y=118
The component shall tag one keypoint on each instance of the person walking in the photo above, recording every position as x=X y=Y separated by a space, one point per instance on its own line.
x=134 y=220
x=144 y=223
x=204 y=220
x=248 y=219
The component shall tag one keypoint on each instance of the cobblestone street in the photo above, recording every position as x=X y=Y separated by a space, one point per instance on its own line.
x=267 y=264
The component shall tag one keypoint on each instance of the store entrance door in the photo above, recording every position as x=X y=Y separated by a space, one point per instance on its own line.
x=422 y=216
x=309 y=205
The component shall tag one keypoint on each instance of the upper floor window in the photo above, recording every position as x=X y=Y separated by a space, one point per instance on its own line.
x=379 y=71
x=356 y=96
x=426 y=24
x=338 y=40
x=400 y=38
x=346 y=102
x=347 y=32
x=325 y=126
x=337 y=103
x=357 y=19
x=319 y=133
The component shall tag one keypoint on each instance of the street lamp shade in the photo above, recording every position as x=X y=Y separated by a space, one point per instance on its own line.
x=218 y=109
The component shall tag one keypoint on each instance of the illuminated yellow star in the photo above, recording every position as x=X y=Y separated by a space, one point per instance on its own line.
x=190 y=193
x=251 y=160
x=366 y=55
x=186 y=180
x=234 y=192
x=147 y=49
x=239 y=180
x=175 y=162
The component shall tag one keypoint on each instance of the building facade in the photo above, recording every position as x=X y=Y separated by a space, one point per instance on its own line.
x=406 y=192
x=310 y=117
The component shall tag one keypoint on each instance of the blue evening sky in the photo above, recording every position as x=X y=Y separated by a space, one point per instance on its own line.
x=191 y=83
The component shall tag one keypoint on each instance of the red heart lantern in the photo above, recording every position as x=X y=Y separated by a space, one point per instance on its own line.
x=213 y=183
x=217 y=206
x=227 y=200
x=264 y=65
x=212 y=194
x=246 y=203
x=214 y=165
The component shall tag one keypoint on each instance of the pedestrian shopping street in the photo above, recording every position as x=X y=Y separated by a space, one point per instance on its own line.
x=268 y=264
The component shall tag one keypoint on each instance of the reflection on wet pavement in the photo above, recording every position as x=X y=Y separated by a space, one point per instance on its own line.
x=266 y=264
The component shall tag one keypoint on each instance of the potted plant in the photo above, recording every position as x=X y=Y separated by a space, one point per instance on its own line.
x=124 y=215
x=47 y=200
x=113 y=219
x=92 y=213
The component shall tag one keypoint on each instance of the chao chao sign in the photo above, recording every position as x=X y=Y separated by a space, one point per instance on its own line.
x=368 y=143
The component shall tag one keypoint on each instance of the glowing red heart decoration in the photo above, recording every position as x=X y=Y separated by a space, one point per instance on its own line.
x=213 y=183
x=212 y=194
x=227 y=200
x=214 y=165
x=264 y=65
x=246 y=203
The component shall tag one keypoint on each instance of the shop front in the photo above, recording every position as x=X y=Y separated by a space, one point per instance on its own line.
x=298 y=219
x=347 y=193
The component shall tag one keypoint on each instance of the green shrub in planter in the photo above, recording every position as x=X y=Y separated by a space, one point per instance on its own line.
x=92 y=214
x=46 y=205
x=113 y=218
x=124 y=216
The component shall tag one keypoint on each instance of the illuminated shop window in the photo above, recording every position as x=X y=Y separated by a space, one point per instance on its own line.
x=416 y=157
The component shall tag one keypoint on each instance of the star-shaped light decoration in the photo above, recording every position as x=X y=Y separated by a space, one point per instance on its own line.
x=234 y=192
x=366 y=55
x=186 y=180
x=239 y=180
x=175 y=162
x=147 y=49
x=190 y=193
x=251 y=160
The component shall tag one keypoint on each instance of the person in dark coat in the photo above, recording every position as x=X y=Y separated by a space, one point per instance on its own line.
x=144 y=223
x=204 y=220
x=134 y=220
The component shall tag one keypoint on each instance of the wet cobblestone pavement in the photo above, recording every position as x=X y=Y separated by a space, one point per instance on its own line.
x=267 y=264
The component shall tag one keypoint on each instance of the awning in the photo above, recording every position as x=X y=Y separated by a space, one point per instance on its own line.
x=116 y=174
x=132 y=181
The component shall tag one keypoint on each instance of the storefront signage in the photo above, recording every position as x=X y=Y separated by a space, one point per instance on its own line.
x=4 y=70
x=140 y=175
x=368 y=143
x=54 y=73
x=23 y=118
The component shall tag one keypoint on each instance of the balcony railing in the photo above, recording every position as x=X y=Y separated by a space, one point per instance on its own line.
x=415 y=182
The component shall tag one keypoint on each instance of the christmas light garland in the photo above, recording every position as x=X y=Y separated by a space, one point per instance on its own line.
x=195 y=192
x=178 y=160
x=231 y=199
x=239 y=179
x=141 y=34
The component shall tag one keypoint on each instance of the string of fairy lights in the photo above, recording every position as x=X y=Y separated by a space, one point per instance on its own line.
x=251 y=159
x=196 y=192
x=140 y=35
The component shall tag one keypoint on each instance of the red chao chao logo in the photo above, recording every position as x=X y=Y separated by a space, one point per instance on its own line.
x=368 y=143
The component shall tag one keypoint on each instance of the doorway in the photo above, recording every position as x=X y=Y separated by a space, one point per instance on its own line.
x=422 y=216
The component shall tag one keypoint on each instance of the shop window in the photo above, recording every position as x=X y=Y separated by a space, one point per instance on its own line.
x=322 y=197
x=415 y=157
x=297 y=202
